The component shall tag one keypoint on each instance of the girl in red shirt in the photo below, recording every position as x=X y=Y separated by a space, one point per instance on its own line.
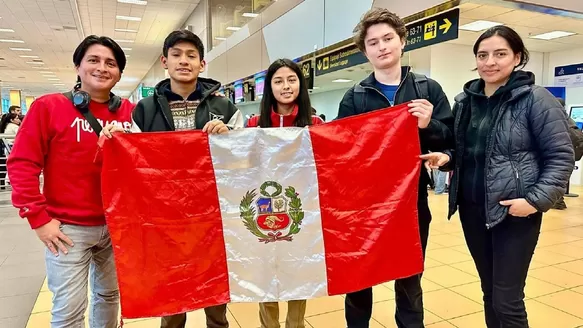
x=286 y=102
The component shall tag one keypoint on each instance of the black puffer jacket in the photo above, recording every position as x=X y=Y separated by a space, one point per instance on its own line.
x=528 y=151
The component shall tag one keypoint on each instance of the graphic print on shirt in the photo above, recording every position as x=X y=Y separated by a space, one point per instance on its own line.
x=214 y=116
x=184 y=114
x=81 y=125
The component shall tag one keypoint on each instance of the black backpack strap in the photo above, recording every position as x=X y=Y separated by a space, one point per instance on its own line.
x=95 y=125
x=421 y=85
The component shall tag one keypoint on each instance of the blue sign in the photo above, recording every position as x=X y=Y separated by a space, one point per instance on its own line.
x=569 y=70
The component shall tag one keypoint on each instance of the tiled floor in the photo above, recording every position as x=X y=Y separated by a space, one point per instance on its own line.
x=22 y=269
x=452 y=293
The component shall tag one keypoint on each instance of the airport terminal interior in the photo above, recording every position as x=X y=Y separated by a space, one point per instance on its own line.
x=241 y=39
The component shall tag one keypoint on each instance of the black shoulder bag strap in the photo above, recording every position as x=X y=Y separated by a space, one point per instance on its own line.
x=87 y=114
x=421 y=85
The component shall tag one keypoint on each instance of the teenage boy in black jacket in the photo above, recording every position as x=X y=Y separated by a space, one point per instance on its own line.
x=381 y=36
x=186 y=101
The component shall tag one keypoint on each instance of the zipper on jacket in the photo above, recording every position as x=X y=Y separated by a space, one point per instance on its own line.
x=396 y=92
x=514 y=168
x=382 y=94
x=458 y=158
x=487 y=159
x=489 y=147
x=516 y=175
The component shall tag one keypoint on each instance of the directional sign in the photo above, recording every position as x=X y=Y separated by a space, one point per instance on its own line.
x=433 y=30
x=147 y=91
x=308 y=73
x=339 y=59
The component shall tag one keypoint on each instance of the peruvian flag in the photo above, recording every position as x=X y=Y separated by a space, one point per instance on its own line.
x=260 y=215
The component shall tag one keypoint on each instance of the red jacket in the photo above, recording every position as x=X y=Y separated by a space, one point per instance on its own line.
x=278 y=120
x=55 y=138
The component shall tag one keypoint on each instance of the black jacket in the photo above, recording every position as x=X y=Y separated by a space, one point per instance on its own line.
x=528 y=150
x=153 y=113
x=438 y=136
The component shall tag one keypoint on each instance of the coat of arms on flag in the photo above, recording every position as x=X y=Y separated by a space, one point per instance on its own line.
x=273 y=216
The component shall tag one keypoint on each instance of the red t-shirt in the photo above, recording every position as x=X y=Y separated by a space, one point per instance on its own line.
x=56 y=139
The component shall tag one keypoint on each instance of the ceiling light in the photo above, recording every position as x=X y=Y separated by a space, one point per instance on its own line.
x=479 y=25
x=124 y=41
x=250 y=15
x=35 y=63
x=20 y=49
x=134 y=2
x=11 y=41
x=128 y=18
x=220 y=38
x=233 y=28
x=28 y=56
x=342 y=81
x=44 y=73
x=127 y=56
x=552 y=35
x=53 y=79
x=59 y=85
x=316 y=88
x=8 y=30
x=126 y=30
x=126 y=49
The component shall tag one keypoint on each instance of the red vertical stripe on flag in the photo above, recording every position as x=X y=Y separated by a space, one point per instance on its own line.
x=368 y=177
x=162 y=209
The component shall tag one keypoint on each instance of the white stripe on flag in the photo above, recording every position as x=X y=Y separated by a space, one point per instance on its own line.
x=279 y=270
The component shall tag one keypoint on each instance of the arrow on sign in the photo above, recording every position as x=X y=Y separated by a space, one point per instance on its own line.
x=446 y=26
x=319 y=64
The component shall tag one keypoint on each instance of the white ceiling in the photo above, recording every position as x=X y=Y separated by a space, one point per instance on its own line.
x=54 y=28
x=526 y=23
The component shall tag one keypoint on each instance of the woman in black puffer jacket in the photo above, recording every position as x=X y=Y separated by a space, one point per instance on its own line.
x=512 y=161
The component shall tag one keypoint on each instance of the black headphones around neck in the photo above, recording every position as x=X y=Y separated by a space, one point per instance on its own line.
x=81 y=99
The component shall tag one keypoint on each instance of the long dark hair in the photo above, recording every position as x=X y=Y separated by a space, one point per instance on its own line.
x=268 y=103
x=7 y=118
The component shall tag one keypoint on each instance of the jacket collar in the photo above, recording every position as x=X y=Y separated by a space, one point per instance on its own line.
x=371 y=81
x=205 y=87
x=278 y=120
x=514 y=94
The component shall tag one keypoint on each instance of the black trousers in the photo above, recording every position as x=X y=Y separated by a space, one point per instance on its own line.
x=502 y=256
x=408 y=292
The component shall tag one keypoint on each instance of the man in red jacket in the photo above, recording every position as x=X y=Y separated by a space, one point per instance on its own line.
x=68 y=216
